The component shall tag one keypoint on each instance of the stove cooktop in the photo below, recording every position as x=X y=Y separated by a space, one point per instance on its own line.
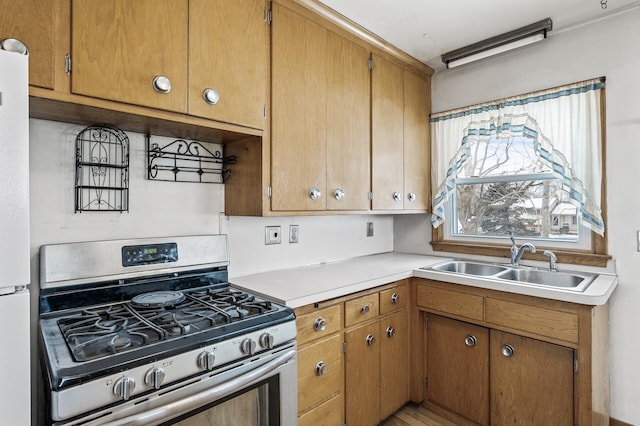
x=152 y=317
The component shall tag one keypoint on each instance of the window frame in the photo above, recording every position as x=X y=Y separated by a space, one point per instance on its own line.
x=597 y=255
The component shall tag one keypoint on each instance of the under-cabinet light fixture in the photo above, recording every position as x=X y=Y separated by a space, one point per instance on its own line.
x=502 y=43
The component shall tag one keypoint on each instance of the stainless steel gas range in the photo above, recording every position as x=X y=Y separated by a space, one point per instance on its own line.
x=149 y=332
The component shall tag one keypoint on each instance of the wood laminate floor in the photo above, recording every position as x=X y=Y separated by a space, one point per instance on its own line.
x=415 y=415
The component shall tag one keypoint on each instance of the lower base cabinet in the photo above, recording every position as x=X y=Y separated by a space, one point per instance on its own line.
x=492 y=377
x=353 y=357
x=531 y=381
x=495 y=358
x=458 y=367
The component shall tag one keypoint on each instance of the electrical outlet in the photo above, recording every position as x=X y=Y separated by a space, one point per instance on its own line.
x=369 y=229
x=272 y=235
x=293 y=233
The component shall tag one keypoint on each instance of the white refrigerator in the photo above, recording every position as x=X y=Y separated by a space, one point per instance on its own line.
x=15 y=394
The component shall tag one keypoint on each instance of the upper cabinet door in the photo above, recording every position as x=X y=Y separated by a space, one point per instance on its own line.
x=228 y=53
x=417 y=150
x=33 y=23
x=119 y=47
x=348 y=140
x=387 y=111
x=299 y=112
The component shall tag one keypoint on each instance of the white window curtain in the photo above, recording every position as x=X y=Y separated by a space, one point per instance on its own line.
x=565 y=124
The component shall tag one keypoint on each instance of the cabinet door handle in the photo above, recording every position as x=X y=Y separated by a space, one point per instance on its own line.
x=508 y=350
x=211 y=96
x=319 y=324
x=161 y=84
x=338 y=194
x=391 y=331
x=321 y=368
x=470 y=340
x=412 y=197
x=395 y=298
x=370 y=340
x=314 y=193
x=397 y=197
x=365 y=309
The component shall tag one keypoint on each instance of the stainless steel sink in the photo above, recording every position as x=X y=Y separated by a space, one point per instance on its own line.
x=470 y=268
x=547 y=278
x=522 y=275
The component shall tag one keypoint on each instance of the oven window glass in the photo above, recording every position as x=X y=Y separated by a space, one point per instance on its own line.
x=255 y=406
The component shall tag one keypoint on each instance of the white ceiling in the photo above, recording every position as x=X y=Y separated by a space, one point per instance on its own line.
x=426 y=29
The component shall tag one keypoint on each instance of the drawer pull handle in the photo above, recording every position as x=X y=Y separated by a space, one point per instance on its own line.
x=508 y=350
x=320 y=324
x=321 y=369
x=370 y=340
x=391 y=331
x=365 y=309
x=470 y=340
x=395 y=298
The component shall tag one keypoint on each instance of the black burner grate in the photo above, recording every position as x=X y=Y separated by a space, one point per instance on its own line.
x=100 y=332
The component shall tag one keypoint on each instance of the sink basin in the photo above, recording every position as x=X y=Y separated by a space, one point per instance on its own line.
x=575 y=281
x=469 y=268
x=546 y=278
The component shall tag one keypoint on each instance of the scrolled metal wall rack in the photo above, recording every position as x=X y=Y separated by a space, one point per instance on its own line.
x=184 y=161
x=102 y=169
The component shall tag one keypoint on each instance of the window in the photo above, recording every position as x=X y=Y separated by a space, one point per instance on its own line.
x=505 y=189
x=531 y=166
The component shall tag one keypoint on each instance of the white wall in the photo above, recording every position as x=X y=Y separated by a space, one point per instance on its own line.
x=608 y=47
x=321 y=239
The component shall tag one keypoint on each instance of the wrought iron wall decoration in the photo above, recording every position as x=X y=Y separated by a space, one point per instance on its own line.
x=183 y=161
x=102 y=169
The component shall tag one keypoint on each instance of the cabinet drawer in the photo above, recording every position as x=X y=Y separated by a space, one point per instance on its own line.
x=320 y=372
x=538 y=320
x=329 y=413
x=361 y=309
x=450 y=302
x=394 y=299
x=317 y=324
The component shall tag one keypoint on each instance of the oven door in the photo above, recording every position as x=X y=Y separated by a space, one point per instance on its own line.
x=262 y=392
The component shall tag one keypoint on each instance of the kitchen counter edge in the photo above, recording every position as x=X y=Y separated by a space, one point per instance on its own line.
x=300 y=286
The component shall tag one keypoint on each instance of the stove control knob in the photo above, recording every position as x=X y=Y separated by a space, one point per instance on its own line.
x=267 y=340
x=248 y=347
x=154 y=377
x=206 y=360
x=123 y=387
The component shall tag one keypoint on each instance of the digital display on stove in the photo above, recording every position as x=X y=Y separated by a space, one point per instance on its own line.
x=149 y=254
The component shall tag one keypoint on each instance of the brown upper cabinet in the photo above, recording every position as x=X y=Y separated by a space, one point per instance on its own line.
x=401 y=103
x=320 y=117
x=131 y=52
x=204 y=58
x=228 y=54
x=32 y=22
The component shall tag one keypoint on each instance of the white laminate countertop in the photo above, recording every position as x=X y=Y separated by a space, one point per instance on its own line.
x=304 y=285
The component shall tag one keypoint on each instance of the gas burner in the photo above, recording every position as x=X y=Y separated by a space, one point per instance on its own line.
x=158 y=299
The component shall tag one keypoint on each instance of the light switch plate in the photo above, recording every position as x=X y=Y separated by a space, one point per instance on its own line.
x=272 y=235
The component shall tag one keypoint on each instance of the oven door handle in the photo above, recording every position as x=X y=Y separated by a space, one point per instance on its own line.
x=184 y=406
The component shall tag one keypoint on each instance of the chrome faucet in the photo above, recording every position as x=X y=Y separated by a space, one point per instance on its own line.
x=552 y=260
x=516 y=253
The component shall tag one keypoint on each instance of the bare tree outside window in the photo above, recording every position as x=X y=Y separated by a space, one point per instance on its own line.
x=505 y=189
